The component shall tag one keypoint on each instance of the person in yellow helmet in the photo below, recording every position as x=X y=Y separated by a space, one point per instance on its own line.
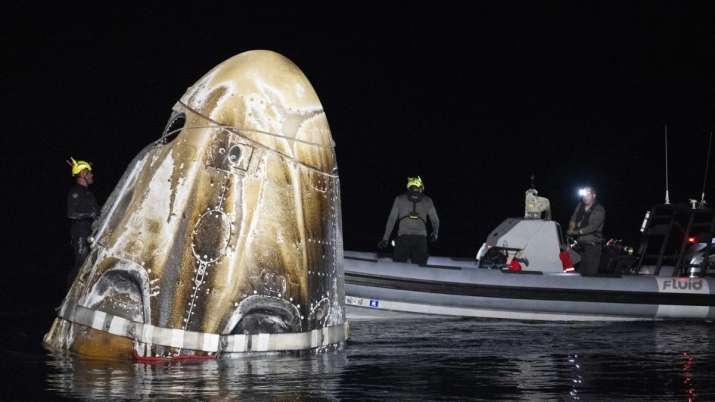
x=82 y=210
x=411 y=210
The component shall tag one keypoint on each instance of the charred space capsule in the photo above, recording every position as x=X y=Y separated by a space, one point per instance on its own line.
x=224 y=236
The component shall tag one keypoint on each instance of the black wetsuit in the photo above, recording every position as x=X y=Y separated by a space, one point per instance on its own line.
x=82 y=210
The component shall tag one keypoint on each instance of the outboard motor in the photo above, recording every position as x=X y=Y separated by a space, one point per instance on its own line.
x=698 y=257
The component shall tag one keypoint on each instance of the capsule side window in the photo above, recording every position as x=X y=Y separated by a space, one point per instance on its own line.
x=173 y=127
x=239 y=156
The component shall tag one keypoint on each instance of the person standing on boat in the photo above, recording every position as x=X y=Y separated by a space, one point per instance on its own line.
x=586 y=225
x=411 y=210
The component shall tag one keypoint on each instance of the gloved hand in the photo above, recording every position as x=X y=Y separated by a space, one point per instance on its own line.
x=433 y=237
x=571 y=232
x=383 y=244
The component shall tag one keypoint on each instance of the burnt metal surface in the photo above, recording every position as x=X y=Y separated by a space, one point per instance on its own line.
x=229 y=223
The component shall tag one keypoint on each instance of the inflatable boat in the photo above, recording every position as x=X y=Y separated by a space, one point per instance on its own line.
x=668 y=276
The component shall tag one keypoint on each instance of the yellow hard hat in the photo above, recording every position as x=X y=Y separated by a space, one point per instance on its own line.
x=415 y=181
x=78 y=166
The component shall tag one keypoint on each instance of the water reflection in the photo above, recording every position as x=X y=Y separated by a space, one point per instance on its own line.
x=688 y=384
x=576 y=377
x=437 y=359
x=306 y=376
x=691 y=343
x=644 y=361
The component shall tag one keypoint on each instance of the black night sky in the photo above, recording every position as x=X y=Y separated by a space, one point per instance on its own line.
x=472 y=99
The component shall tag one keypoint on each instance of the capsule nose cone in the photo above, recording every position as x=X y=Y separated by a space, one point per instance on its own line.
x=268 y=99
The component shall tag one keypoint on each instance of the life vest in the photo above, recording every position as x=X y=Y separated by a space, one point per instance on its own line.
x=413 y=214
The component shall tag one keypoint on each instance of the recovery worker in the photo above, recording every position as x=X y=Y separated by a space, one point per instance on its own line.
x=82 y=210
x=411 y=209
x=586 y=225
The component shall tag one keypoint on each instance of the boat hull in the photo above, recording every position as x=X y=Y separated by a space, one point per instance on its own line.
x=460 y=289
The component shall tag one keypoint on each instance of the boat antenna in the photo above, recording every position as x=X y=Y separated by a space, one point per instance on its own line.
x=667 y=196
x=707 y=166
x=533 y=176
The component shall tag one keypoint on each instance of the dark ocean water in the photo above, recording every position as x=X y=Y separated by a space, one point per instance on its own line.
x=406 y=359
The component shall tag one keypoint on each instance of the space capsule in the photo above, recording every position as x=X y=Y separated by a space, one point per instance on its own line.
x=224 y=235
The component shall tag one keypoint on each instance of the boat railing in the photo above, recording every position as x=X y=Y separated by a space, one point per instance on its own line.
x=668 y=232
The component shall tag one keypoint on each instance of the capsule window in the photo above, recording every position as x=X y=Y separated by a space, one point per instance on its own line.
x=173 y=127
x=234 y=155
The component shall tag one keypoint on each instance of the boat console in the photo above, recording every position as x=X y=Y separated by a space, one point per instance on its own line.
x=677 y=241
